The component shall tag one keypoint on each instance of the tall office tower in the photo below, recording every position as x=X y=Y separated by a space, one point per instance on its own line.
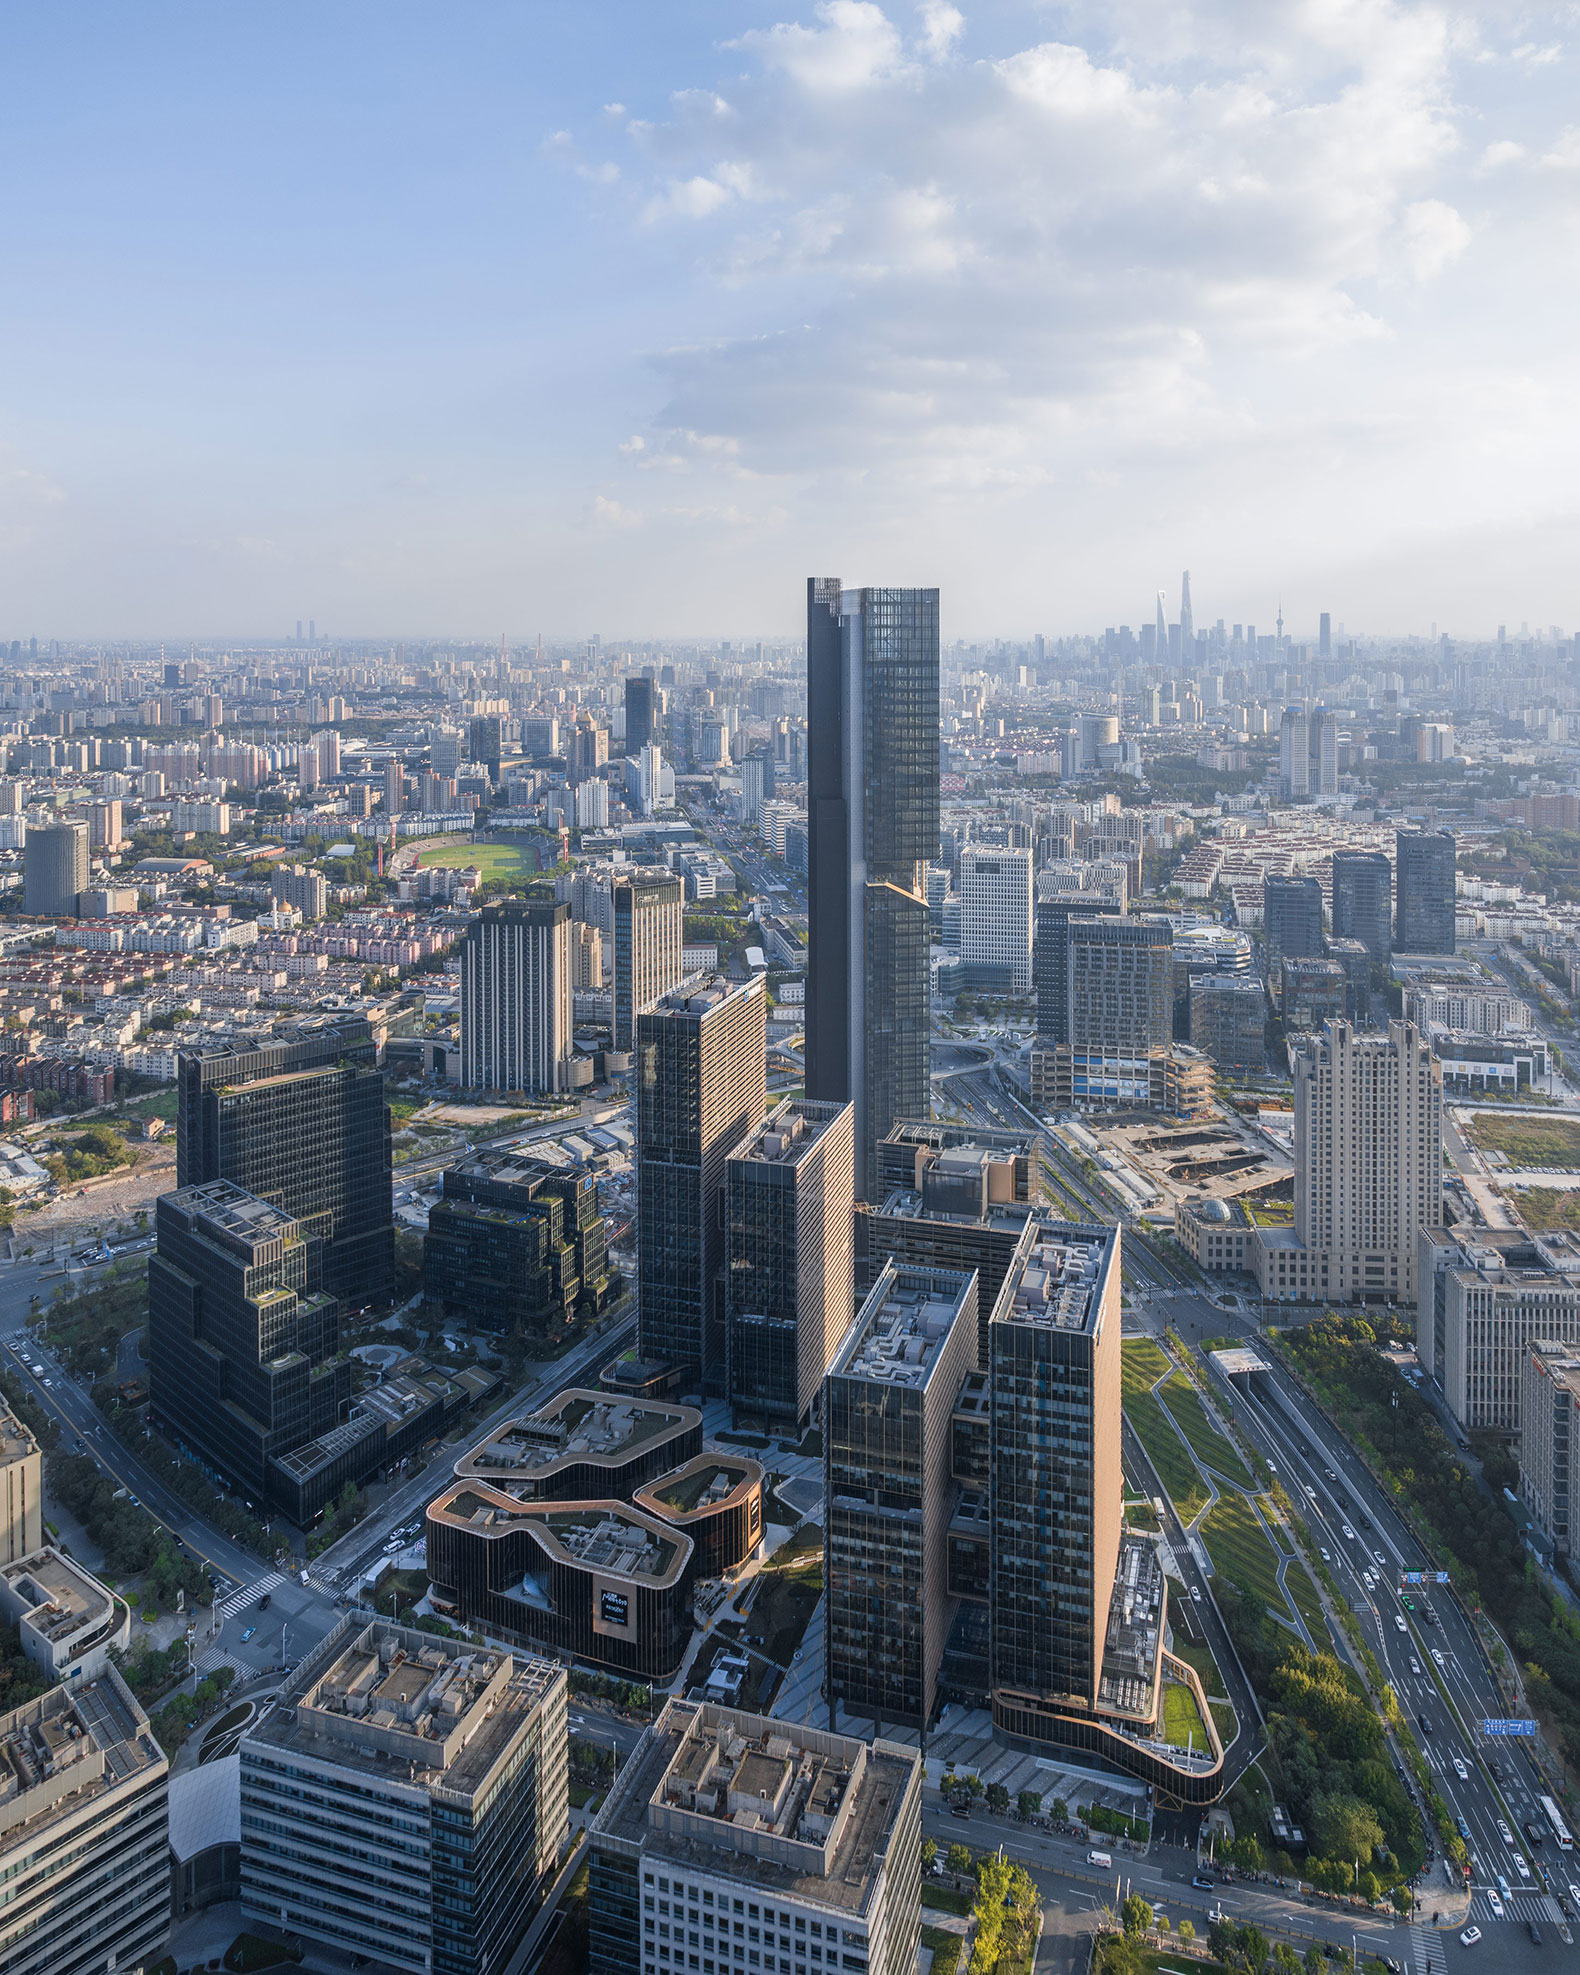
x=1363 y=900
x=84 y=1833
x=1057 y=1488
x=301 y=1122
x=589 y=749
x=485 y=740
x=516 y=996
x=1291 y=921
x=649 y=920
x=723 y=1811
x=641 y=723
x=888 y=1491
x=444 y=751
x=1423 y=891
x=21 y=1490
x=1057 y=903
x=1322 y=777
x=1324 y=636
x=996 y=918
x=1187 y=621
x=243 y=1343
x=1097 y=731
x=1368 y=1158
x=516 y=1246
x=1121 y=984
x=789 y=1195
x=1228 y=1021
x=872 y=827
x=1294 y=754
x=55 y=869
x=701 y=1075
x=384 y=1730
x=757 y=783
x=1160 y=633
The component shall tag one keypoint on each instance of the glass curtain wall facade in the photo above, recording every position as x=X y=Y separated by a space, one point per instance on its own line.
x=648 y=920
x=872 y=828
x=1363 y=900
x=1424 y=891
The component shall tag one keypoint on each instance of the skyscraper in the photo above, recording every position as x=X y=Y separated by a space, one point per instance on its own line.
x=1322 y=778
x=1160 y=634
x=516 y=996
x=789 y=1262
x=485 y=738
x=1424 y=891
x=1120 y=984
x=1057 y=903
x=872 y=798
x=701 y=1075
x=1325 y=636
x=1291 y=920
x=641 y=726
x=649 y=917
x=301 y=1122
x=1187 y=621
x=996 y=918
x=55 y=869
x=1363 y=900
x=1294 y=754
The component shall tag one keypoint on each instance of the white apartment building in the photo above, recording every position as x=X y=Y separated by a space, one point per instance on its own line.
x=996 y=919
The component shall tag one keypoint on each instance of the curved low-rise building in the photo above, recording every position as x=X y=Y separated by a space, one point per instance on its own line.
x=717 y=1500
x=595 y=1579
x=584 y=1446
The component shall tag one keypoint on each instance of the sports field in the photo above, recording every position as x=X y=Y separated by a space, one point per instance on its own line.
x=494 y=860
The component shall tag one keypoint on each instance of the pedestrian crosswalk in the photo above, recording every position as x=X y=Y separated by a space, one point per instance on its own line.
x=216 y=1657
x=248 y=1594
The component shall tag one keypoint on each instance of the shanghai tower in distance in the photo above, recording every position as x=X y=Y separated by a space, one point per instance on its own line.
x=872 y=827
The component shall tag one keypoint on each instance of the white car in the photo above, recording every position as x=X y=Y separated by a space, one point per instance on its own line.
x=1469 y=1938
x=1380 y=1558
x=1496 y=1904
x=1415 y=1664
x=1461 y=1771
x=1520 y=1866
x=1325 y=1557
x=1574 y=1896
x=1399 y=1621
x=1437 y=1657
x=1349 y=1534
x=1311 y=1491
x=1504 y=1832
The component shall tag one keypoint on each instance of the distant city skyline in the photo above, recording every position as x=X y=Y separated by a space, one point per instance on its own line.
x=618 y=318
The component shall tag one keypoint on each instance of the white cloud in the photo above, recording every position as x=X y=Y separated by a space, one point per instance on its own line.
x=1434 y=237
x=1505 y=152
x=942 y=27
x=855 y=45
x=609 y=513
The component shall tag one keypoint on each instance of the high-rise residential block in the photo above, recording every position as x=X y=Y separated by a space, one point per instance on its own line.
x=1323 y=739
x=996 y=918
x=1058 y=900
x=721 y=1819
x=641 y=716
x=701 y=1080
x=516 y=996
x=21 y=1490
x=302 y=888
x=1368 y=1168
x=84 y=1833
x=789 y=1258
x=303 y=1122
x=1120 y=983
x=104 y=825
x=872 y=828
x=1363 y=900
x=888 y=1492
x=1294 y=754
x=404 y=1798
x=1291 y=921
x=1423 y=891
x=649 y=921
x=54 y=869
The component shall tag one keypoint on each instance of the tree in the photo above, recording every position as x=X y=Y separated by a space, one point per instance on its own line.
x=959 y=1860
x=929 y=1853
x=1136 y=1916
x=1346 y=1827
x=1285 y=1960
x=1186 y=1932
x=1060 y=1811
x=974 y=1784
x=997 y=1799
x=1370 y=1888
x=1403 y=1898
x=1314 y=1962
x=1029 y=1803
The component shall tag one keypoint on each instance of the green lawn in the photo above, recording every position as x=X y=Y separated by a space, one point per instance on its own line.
x=494 y=860
x=1239 y=1547
x=1298 y=1582
x=1527 y=1141
x=1225 y=1720
x=1210 y=1446
x=1182 y=1722
x=1143 y=1362
x=1200 y=1657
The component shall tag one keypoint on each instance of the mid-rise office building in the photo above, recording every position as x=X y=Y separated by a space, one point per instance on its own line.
x=84 y=1833
x=888 y=1492
x=1315 y=992
x=996 y=919
x=244 y=1361
x=649 y=916
x=1363 y=900
x=721 y=1820
x=404 y=1797
x=515 y=1245
x=516 y=996
x=872 y=829
x=1057 y=902
x=1550 y=1438
x=1228 y=1022
x=1368 y=1168
x=1291 y=922
x=789 y=1259
x=584 y=1445
x=21 y=1490
x=54 y=869
x=1483 y=1295
x=302 y=1122
x=1424 y=891
x=67 y=1622
x=1120 y=984
x=701 y=1077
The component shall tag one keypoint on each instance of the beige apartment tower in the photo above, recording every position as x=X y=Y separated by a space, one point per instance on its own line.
x=21 y=1491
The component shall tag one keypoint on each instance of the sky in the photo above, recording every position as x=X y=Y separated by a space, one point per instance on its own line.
x=623 y=317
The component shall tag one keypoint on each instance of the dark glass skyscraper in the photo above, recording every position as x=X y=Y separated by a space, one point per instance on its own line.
x=302 y=1123
x=872 y=826
x=640 y=724
x=1291 y=920
x=1363 y=900
x=1424 y=891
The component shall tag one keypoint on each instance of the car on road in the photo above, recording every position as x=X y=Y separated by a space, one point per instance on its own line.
x=1203 y=1882
x=1462 y=1773
x=1535 y=1933
x=1520 y=1866
x=1462 y=1827
x=1100 y=1859
x=265 y=1601
x=1495 y=1901
x=959 y=1810
x=1415 y=1664
x=1426 y=1723
x=1504 y=1832
x=1469 y=1937
x=1195 y=1592
x=1574 y=1895
x=1349 y=1534
x=1437 y=1657
x=1399 y=1621
x=251 y=1629
x=1380 y=1558
x=1325 y=1557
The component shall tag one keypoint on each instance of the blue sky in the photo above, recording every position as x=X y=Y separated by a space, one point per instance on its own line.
x=622 y=318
